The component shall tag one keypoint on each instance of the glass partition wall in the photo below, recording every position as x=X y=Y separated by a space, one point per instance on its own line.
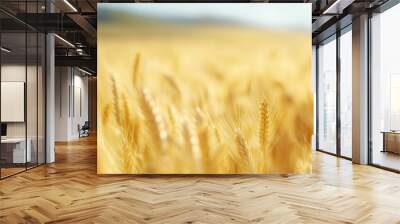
x=334 y=85
x=327 y=95
x=345 y=62
x=385 y=89
x=22 y=98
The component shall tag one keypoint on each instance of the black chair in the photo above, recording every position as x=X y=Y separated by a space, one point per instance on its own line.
x=84 y=130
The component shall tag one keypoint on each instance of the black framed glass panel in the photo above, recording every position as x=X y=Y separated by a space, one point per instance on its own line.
x=346 y=92
x=41 y=97
x=385 y=89
x=22 y=77
x=327 y=95
x=15 y=150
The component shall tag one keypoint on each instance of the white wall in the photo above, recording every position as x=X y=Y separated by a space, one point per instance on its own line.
x=71 y=102
x=62 y=81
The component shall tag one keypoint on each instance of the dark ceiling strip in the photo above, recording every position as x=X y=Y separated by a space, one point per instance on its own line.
x=17 y=19
x=331 y=30
x=91 y=5
x=84 y=24
x=387 y=5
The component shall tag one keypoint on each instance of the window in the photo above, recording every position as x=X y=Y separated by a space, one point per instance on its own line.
x=346 y=93
x=327 y=96
x=385 y=89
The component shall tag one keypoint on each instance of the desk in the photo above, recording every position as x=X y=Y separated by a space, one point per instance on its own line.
x=15 y=148
x=391 y=141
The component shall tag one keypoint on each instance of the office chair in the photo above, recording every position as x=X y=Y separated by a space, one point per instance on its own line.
x=84 y=130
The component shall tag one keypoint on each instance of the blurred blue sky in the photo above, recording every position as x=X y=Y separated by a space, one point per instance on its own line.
x=274 y=15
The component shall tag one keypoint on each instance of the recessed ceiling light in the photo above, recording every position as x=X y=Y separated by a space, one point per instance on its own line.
x=84 y=71
x=70 y=5
x=64 y=40
x=5 y=50
x=337 y=7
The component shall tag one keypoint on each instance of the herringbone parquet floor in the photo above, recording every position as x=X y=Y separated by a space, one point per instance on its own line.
x=70 y=191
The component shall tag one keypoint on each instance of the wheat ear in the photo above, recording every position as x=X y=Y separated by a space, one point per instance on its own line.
x=244 y=164
x=263 y=123
x=135 y=74
x=116 y=106
x=202 y=135
x=155 y=124
x=174 y=86
x=173 y=118
x=106 y=114
x=241 y=146
x=130 y=126
x=191 y=139
x=217 y=135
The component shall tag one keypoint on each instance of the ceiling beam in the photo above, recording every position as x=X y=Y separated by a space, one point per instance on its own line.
x=81 y=61
x=84 y=24
x=337 y=6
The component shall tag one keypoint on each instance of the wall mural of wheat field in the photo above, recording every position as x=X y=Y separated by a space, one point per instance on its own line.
x=196 y=88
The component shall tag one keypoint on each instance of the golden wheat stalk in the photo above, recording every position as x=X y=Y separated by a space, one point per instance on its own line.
x=202 y=136
x=173 y=124
x=241 y=146
x=130 y=126
x=186 y=138
x=191 y=140
x=115 y=102
x=127 y=113
x=174 y=86
x=244 y=163
x=263 y=123
x=217 y=135
x=135 y=73
x=106 y=114
x=154 y=121
x=129 y=137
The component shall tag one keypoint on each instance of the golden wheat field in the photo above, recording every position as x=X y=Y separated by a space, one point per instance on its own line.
x=221 y=100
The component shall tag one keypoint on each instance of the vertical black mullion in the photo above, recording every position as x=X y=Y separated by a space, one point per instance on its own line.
x=369 y=88
x=317 y=97
x=338 y=81
x=45 y=87
x=45 y=95
x=26 y=86
x=37 y=89
x=73 y=92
